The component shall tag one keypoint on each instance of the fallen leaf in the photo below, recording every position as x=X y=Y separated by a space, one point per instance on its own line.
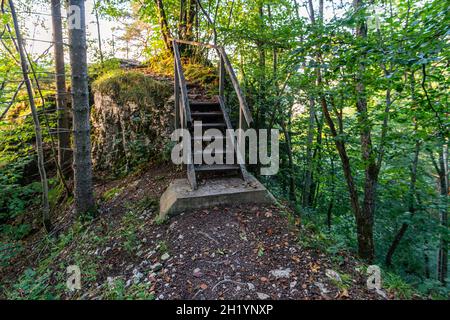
x=314 y=267
x=204 y=286
x=344 y=294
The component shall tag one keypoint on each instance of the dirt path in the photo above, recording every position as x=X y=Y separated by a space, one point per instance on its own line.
x=247 y=253
x=243 y=252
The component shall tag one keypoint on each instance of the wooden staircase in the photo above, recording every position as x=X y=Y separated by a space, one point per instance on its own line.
x=199 y=115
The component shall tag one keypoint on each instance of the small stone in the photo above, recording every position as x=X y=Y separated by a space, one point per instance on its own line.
x=144 y=263
x=110 y=281
x=156 y=267
x=381 y=293
x=197 y=273
x=251 y=286
x=293 y=284
x=165 y=256
x=322 y=287
x=281 y=273
x=137 y=276
x=262 y=296
x=333 y=275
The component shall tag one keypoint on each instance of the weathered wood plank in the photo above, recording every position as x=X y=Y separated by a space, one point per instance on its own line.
x=239 y=157
x=195 y=43
x=177 y=97
x=183 y=88
x=237 y=88
x=221 y=77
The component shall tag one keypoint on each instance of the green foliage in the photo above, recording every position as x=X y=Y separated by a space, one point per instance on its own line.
x=393 y=282
x=111 y=193
x=344 y=283
x=9 y=251
x=32 y=286
x=131 y=87
x=129 y=230
x=162 y=247
x=118 y=291
x=98 y=69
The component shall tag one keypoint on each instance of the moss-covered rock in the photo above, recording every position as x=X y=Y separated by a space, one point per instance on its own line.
x=131 y=120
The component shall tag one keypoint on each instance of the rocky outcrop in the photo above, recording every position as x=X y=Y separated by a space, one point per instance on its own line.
x=131 y=120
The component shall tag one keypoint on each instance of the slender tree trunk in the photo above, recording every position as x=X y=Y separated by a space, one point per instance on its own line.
x=37 y=126
x=411 y=206
x=444 y=188
x=84 y=197
x=64 y=152
x=412 y=185
x=331 y=203
x=366 y=220
x=98 y=32
x=292 y=192
x=165 y=31
x=309 y=157
x=317 y=164
x=191 y=14
x=426 y=259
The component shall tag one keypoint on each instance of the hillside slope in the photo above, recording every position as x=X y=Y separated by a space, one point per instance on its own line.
x=242 y=252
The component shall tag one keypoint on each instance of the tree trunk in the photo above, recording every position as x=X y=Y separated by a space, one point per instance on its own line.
x=411 y=207
x=443 y=186
x=165 y=31
x=309 y=157
x=366 y=220
x=84 y=197
x=37 y=127
x=64 y=152
x=292 y=193
x=98 y=32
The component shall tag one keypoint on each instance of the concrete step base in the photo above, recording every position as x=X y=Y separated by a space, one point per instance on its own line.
x=179 y=197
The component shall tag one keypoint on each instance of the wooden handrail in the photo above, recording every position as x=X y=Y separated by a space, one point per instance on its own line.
x=244 y=110
x=182 y=85
x=195 y=43
x=242 y=102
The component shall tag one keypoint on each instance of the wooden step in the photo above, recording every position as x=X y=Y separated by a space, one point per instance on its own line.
x=204 y=106
x=208 y=125
x=203 y=103
x=216 y=167
x=206 y=114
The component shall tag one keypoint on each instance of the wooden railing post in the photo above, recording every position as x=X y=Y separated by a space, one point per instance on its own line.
x=183 y=110
x=242 y=103
x=182 y=85
x=221 y=77
x=177 y=96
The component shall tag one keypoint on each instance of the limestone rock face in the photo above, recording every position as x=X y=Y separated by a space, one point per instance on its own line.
x=132 y=120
